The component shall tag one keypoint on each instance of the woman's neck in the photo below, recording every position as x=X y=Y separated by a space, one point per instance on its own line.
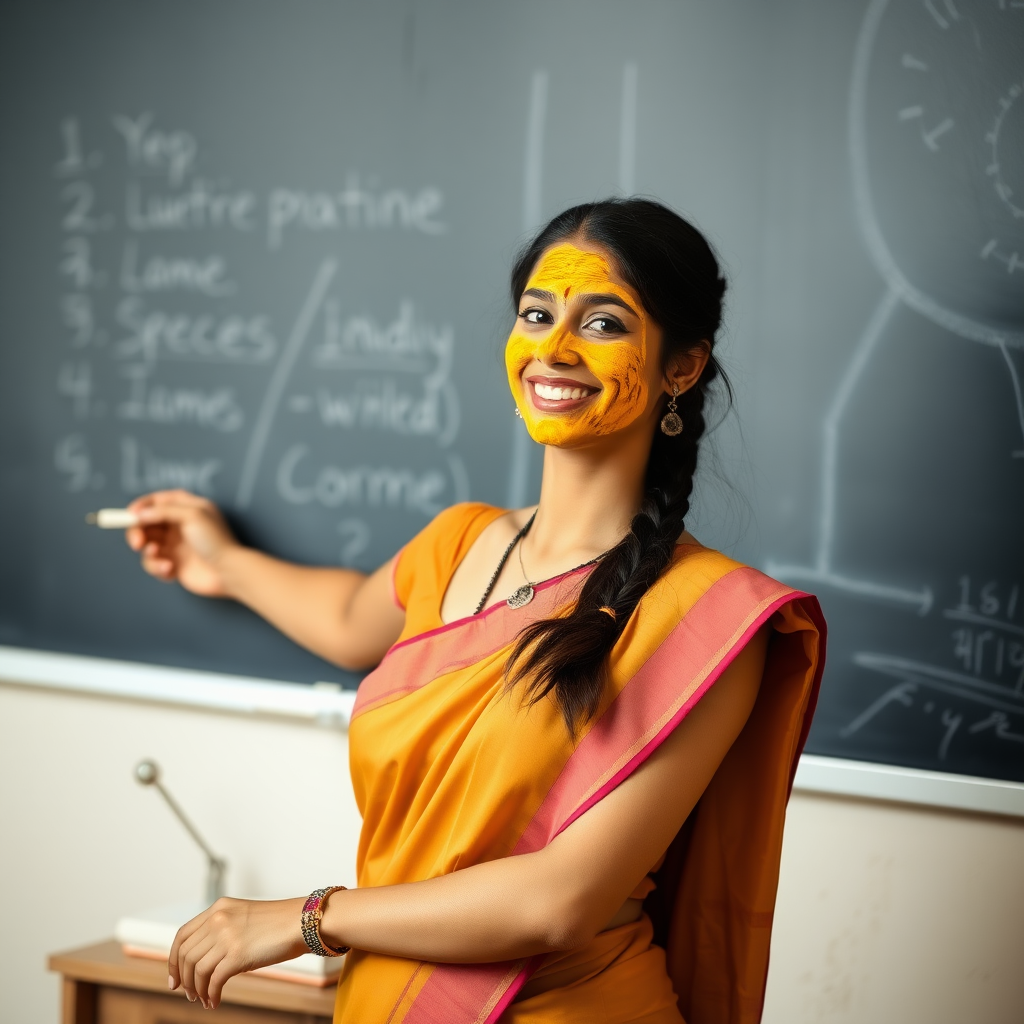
x=588 y=497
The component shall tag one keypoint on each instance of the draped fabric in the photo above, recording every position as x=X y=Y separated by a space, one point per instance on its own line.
x=450 y=770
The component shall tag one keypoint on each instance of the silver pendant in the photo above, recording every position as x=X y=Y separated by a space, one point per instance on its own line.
x=521 y=597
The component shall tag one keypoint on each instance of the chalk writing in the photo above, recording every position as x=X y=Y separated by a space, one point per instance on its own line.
x=74 y=161
x=172 y=153
x=199 y=205
x=168 y=331
x=355 y=539
x=71 y=457
x=217 y=409
x=384 y=355
x=984 y=686
x=164 y=273
x=142 y=470
x=354 y=206
x=230 y=338
x=74 y=381
x=301 y=483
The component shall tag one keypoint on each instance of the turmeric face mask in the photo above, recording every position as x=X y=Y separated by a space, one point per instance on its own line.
x=616 y=358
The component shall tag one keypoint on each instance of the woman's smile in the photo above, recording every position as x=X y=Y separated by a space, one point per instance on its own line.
x=558 y=394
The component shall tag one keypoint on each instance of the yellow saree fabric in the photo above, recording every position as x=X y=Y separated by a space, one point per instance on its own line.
x=449 y=771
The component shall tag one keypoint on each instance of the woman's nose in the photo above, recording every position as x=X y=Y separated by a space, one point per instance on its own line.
x=557 y=349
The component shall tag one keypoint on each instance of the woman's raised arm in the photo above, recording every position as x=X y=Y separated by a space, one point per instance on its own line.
x=345 y=616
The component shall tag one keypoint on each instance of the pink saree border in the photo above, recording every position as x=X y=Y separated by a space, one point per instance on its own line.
x=652 y=703
x=412 y=663
x=636 y=723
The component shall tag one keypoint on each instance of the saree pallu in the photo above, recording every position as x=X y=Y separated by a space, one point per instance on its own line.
x=450 y=770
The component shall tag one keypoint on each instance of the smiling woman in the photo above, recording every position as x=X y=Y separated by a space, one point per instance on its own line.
x=578 y=313
x=574 y=755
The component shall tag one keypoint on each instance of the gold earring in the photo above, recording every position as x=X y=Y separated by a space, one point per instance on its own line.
x=672 y=422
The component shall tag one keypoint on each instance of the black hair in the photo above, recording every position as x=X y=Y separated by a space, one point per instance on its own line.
x=673 y=270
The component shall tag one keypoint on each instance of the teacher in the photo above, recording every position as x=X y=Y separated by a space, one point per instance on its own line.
x=573 y=757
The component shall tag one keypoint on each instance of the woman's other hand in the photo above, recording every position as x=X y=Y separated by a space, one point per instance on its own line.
x=229 y=938
x=182 y=537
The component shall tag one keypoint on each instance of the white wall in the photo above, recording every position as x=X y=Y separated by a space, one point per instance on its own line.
x=887 y=914
x=891 y=914
x=81 y=843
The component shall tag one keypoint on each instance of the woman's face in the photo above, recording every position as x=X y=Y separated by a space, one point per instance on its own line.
x=583 y=359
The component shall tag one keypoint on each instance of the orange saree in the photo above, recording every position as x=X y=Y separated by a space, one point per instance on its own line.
x=449 y=770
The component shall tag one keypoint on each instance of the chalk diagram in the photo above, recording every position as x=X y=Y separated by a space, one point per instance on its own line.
x=533 y=165
x=952 y=126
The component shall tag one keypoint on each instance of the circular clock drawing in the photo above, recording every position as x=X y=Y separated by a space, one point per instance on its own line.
x=937 y=145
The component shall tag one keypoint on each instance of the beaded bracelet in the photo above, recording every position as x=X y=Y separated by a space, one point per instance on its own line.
x=312 y=912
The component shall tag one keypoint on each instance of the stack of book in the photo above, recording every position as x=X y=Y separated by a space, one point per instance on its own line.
x=151 y=933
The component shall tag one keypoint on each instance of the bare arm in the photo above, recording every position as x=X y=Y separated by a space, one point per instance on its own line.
x=557 y=898
x=343 y=615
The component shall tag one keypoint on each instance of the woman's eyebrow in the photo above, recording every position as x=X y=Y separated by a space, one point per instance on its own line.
x=608 y=299
x=594 y=299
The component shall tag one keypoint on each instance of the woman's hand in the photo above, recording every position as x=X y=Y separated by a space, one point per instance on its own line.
x=342 y=615
x=231 y=937
x=182 y=537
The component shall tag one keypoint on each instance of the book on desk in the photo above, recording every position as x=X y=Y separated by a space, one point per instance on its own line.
x=150 y=934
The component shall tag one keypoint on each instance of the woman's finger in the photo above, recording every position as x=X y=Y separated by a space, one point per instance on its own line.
x=182 y=935
x=175 y=496
x=203 y=971
x=192 y=951
x=161 y=568
x=225 y=970
x=159 y=515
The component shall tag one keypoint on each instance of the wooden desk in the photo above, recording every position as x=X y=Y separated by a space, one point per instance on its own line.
x=103 y=986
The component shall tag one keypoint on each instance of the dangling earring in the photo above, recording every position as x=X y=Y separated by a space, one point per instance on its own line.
x=518 y=413
x=672 y=422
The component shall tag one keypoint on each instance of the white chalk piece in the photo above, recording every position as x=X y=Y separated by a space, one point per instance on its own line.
x=112 y=519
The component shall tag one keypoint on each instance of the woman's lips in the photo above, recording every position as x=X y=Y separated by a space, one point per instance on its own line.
x=559 y=394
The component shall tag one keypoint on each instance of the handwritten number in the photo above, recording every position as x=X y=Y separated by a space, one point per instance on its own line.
x=71 y=457
x=72 y=161
x=77 y=310
x=82 y=197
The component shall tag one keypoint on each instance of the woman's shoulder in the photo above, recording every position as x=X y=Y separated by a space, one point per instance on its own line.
x=695 y=569
x=448 y=529
x=432 y=553
x=457 y=517
x=691 y=560
x=452 y=522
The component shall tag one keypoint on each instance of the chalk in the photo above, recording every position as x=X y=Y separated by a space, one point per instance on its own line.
x=112 y=519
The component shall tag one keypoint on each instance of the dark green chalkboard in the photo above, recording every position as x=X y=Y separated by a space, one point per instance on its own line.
x=260 y=249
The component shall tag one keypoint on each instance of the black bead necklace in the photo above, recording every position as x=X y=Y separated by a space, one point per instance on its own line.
x=522 y=595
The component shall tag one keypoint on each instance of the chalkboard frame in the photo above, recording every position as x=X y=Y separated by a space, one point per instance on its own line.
x=328 y=706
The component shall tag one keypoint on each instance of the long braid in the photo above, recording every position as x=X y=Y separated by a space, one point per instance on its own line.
x=568 y=655
x=676 y=275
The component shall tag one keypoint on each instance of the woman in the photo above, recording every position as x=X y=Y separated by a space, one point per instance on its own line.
x=573 y=760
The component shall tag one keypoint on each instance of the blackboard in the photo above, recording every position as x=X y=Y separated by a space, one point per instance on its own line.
x=260 y=249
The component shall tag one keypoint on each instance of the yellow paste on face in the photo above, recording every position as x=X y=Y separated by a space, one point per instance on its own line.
x=618 y=364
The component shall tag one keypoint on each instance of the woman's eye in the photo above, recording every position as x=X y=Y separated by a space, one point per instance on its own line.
x=605 y=325
x=536 y=316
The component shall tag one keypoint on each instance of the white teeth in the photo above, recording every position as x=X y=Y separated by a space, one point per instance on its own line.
x=559 y=394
